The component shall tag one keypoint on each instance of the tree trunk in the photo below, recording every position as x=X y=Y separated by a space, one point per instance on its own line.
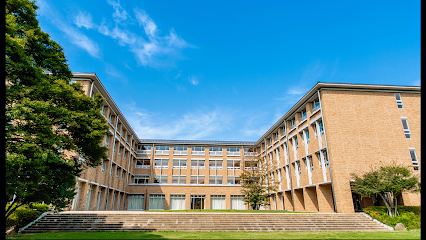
x=386 y=203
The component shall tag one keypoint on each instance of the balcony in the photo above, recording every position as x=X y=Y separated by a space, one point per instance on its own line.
x=215 y=153
x=144 y=152
x=232 y=154
x=177 y=152
x=198 y=153
x=161 y=152
x=316 y=107
x=249 y=154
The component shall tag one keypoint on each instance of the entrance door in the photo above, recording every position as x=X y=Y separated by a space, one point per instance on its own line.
x=356 y=201
x=197 y=201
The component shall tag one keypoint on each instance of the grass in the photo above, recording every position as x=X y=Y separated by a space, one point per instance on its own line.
x=414 y=234
x=408 y=215
x=228 y=210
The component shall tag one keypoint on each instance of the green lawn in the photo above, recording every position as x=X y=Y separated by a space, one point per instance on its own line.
x=414 y=234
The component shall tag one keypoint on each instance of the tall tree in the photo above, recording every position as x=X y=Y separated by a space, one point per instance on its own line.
x=49 y=123
x=255 y=186
x=388 y=182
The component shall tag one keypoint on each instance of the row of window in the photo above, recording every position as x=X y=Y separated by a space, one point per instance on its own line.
x=181 y=179
x=195 y=150
x=195 y=164
x=177 y=202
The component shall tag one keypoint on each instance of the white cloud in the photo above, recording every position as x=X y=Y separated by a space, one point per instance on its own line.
x=73 y=35
x=178 y=75
x=189 y=126
x=120 y=14
x=83 y=20
x=148 y=24
x=122 y=35
x=193 y=80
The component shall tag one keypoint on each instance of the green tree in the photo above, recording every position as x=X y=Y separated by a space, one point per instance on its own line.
x=49 y=123
x=255 y=187
x=388 y=182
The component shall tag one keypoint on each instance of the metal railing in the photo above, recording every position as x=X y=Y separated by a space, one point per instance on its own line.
x=180 y=152
x=215 y=153
x=161 y=152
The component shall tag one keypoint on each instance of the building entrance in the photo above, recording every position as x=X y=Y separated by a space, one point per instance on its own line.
x=197 y=201
x=356 y=201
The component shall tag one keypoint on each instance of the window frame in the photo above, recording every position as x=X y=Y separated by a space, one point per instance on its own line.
x=406 y=130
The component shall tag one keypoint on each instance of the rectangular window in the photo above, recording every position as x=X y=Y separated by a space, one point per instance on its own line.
x=156 y=201
x=197 y=164
x=110 y=118
x=215 y=164
x=315 y=105
x=233 y=164
x=162 y=150
x=197 y=179
x=141 y=179
x=180 y=150
x=144 y=149
x=276 y=136
x=112 y=169
x=142 y=163
x=283 y=131
x=321 y=128
x=103 y=166
x=307 y=136
x=406 y=129
x=177 y=202
x=215 y=151
x=117 y=173
x=414 y=160
x=120 y=151
x=198 y=151
x=233 y=180
x=398 y=100
x=107 y=139
x=215 y=179
x=179 y=179
x=162 y=179
x=270 y=141
x=296 y=142
x=136 y=202
x=303 y=115
x=161 y=163
x=103 y=110
x=217 y=202
x=179 y=163
x=233 y=151
x=292 y=123
x=250 y=165
x=237 y=202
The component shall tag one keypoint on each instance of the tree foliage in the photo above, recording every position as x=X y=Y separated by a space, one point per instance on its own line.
x=256 y=190
x=388 y=182
x=49 y=122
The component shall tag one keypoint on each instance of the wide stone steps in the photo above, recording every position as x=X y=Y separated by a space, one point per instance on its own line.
x=149 y=221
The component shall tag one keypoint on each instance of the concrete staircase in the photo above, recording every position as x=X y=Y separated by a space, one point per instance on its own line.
x=85 y=221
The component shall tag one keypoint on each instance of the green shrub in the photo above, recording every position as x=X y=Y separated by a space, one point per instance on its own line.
x=25 y=214
x=39 y=207
x=408 y=215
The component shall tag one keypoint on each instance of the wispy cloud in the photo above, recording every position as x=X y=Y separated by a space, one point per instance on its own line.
x=83 y=20
x=416 y=82
x=123 y=36
x=120 y=14
x=193 y=80
x=200 y=124
x=178 y=75
x=74 y=35
x=148 y=24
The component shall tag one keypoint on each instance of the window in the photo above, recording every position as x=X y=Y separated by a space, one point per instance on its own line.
x=162 y=150
x=200 y=151
x=296 y=143
x=217 y=202
x=406 y=129
x=233 y=180
x=311 y=164
x=250 y=165
x=156 y=201
x=197 y=179
x=325 y=159
x=110 y=118
x=161 y=163
x=142 y=163
x=215 y=179
x=414 y=159
x=122 y=132
x=398 y=100
x=144 y=149
x=233 y=151
x=297 y=167
x=179 y=179
x=276 y=136
x=141 y=179
x=136 y=202
x=237 y=202
x=103 y=166
x=283 y=130
x=307 y=136
x=198 y=201
x=233 y=164
x=162 y=179
x=180 y=150
x=197 y=163
x=117 y=173
x=270 y=141
x=177 y=202
x=292 y=123
x=107 y=139
x=98 y=200
x=127 y=138
x=215 y=151
x=315 y=105
x=215 y=164
x=122 y=175
x=120 y=151
x=112 y=169
x=179 y=163
x=303 y=115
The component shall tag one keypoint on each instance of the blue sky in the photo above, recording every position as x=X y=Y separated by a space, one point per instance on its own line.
x=228 y=70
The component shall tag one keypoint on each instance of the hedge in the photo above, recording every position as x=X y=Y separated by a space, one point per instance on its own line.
x=25 y=214
x=410 y=216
